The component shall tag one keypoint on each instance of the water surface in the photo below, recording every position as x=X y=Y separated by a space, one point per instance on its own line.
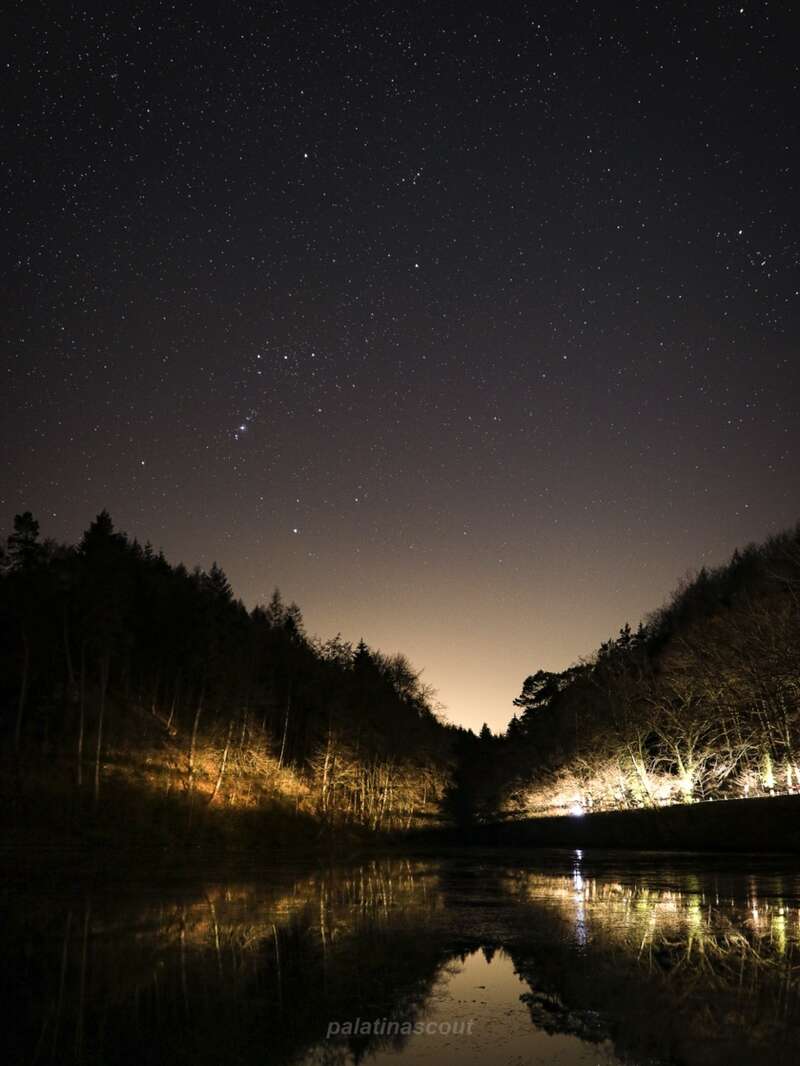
x=563 y=958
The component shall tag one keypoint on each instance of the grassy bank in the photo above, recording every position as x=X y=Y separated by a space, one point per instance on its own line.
x=153 y=799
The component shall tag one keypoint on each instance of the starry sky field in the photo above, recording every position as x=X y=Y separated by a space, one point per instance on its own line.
x=472 y=327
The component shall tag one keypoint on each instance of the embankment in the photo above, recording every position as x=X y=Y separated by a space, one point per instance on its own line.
x=764 y=825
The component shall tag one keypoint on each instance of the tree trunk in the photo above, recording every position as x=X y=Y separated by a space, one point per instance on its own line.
x=175 y=693
x=23 y=690
x=244 y=728
x=193 y=745
x=82 y=714
x=61 y=984
x=278 y=967
x=82 y=986
x=104 y=668
x=285 y=725
x=222 y=765
x=68 y=656
x=325 y=765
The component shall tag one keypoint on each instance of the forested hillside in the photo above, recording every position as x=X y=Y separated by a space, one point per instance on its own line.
x=143 y=699
x=701 y=702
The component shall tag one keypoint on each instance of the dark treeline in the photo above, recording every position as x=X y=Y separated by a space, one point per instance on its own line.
x=143 y=694
x=701 y=702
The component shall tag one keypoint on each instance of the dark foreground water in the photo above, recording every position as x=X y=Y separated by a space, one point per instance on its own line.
x=563 y=958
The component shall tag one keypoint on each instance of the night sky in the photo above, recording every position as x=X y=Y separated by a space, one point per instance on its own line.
x=472 y=327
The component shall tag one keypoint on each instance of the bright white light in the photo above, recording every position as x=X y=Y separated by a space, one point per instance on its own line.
x=576 y=810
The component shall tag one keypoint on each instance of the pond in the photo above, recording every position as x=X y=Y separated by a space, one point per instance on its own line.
x=560 y=957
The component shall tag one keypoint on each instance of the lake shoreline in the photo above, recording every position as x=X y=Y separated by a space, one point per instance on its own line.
x=761 y=825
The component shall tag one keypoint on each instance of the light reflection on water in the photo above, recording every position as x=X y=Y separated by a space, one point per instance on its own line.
x=764 y=922
x=484 y=988
x=564 y=958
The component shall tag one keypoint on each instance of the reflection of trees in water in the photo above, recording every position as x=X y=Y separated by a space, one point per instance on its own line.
x=688 y=973
x=254 y=972
x=234 y=973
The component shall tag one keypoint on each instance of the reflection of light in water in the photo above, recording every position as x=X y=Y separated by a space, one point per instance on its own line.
x=752 y=930
x=579 y=886
x=581 y=935
x=779 y=931
x=577 y=877
x=694 y=913
x=504 y=1027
